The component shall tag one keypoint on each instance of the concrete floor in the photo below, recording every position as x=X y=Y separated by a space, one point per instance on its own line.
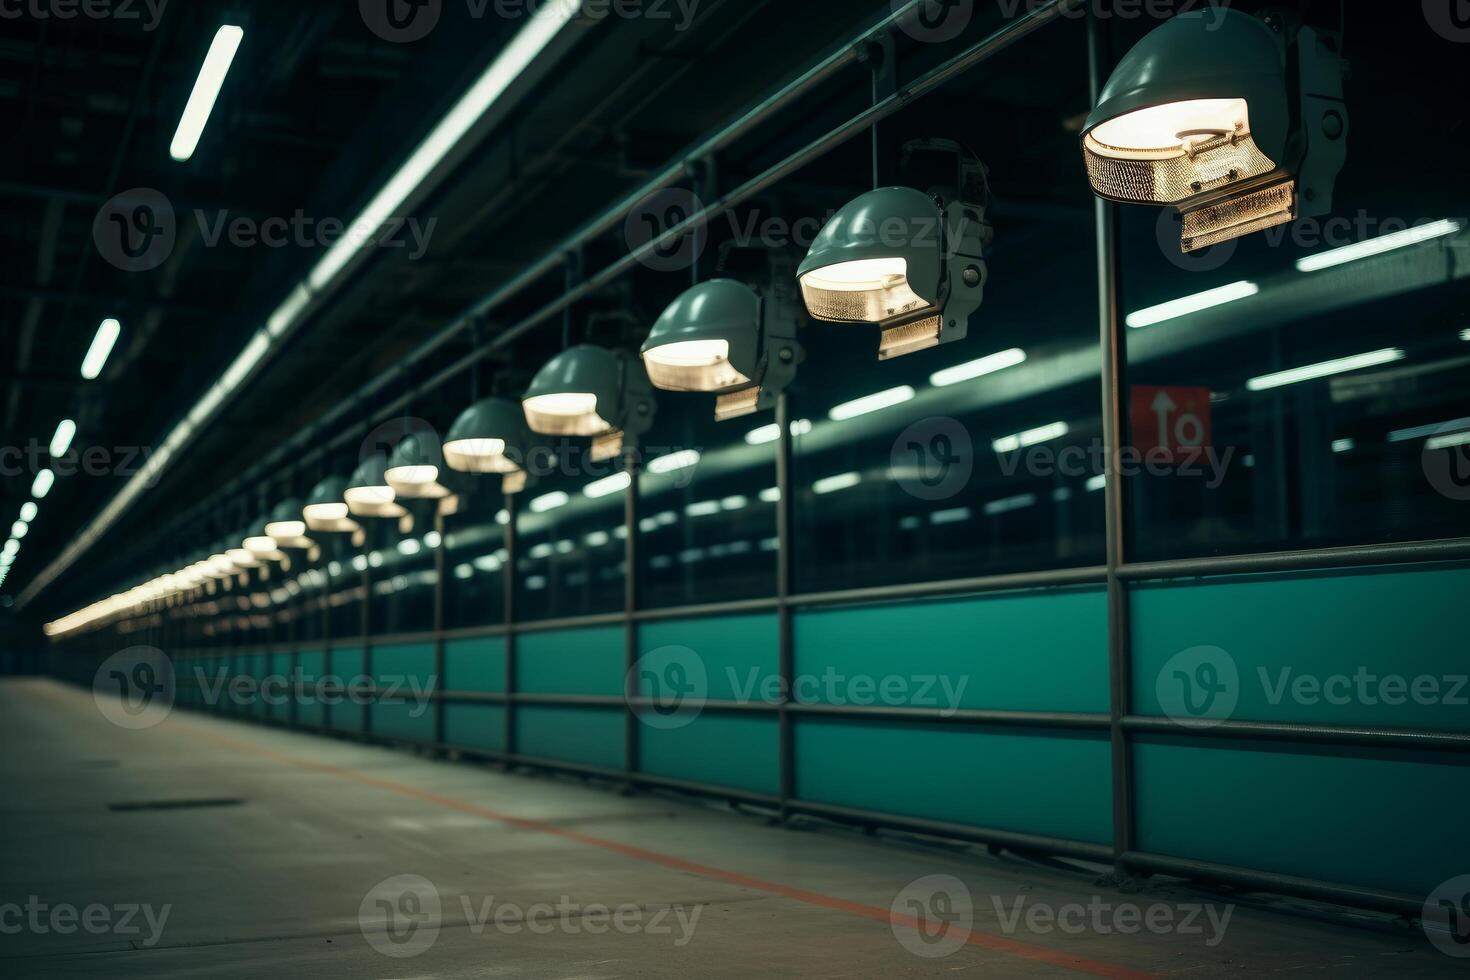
x=288 y=882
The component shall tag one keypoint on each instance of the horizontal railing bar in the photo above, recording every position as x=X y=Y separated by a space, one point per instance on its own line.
x=985 y=835
x=963 y=716
x=1312 y=559
x=1393 y=738
x=1344 y=894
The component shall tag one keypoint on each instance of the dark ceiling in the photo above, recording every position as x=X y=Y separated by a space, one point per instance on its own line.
x=316 y=114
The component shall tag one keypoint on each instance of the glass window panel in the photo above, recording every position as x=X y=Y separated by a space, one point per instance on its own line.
x=475 y=559
x=707 y=516
x=402 y=572
x=1329 y=403
x=569 y=545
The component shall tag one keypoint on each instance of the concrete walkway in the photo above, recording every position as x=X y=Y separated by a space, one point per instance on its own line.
x=203 y=847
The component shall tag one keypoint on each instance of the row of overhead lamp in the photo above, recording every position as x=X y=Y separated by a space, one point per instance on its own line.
x=96 y=358
x=1238 y=122
x=61 y=440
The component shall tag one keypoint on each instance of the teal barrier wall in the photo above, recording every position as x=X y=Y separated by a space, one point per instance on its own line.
x=737 y=658
x=404 y=676
x=1367 y=648
x=1019 y=652
x=1366 y=817
x=348 y=664
x=310 y=666
x=586 y=736
x=585 y=661
x=1054 y=784
x=476 y=666
x=1364 y=648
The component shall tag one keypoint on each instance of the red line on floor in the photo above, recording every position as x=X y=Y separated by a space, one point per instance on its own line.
x=999 y=944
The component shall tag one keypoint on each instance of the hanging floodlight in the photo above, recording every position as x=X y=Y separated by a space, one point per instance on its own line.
x=591 y=391
x=325 y=510
x=413 y=469
x=260 y=543
x=490 y=437
x=722 y=336
x=1236 y=121
x=909 y=261
x=287 y=526
x=368 y=493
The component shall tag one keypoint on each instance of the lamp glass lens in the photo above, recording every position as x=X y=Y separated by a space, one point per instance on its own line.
x=1172 y=128
x=291 y=529
x=478 y=456
x=325 y=512
x=414 y=475
x=693 y=365
x=242 y=558
x=368 y=496
x=1165 y=154
x=861 y=291
x=565 y=413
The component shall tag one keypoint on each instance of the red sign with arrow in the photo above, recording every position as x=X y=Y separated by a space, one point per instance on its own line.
x=1171 y=424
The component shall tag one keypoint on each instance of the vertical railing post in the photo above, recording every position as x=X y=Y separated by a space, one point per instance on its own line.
x=630 y=606
x=785 y=657
x=1114 y=426
x=436 y=683
x=508 y=591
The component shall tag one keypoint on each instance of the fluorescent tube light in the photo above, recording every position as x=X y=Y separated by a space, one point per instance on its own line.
x=1031 y=437
x=997 y=507
x=42 y=484
x=772 y=432
x=549 y=501
x=1449 y=440
x=681 y=460
x=206 y=89
x=1343 y=445
x=101 y=349
x=1424 y=431
x=28 y=511
x=831 y=484
x=977 y=369
x=1326 y=369
x=540 y=29
x=875 y=402
x=1379 y=245
x=532 y=39
x=61 y=440
x=608 y=485
x=1185 y=305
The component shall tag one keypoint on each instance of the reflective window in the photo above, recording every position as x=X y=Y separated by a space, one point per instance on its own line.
x=401 y=568
x=1323 y=395
x=707 y=506
x=475 y=558
x=569 y=537
x=980 y=456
